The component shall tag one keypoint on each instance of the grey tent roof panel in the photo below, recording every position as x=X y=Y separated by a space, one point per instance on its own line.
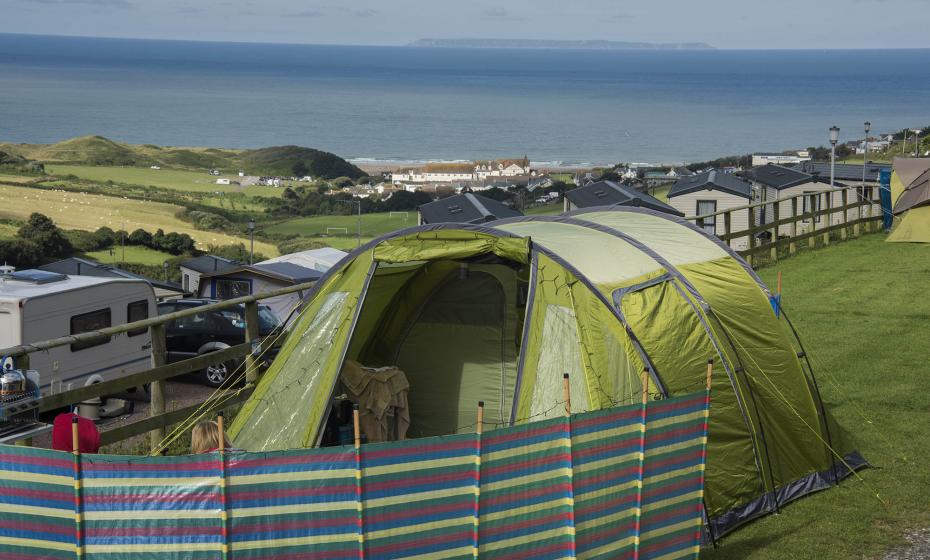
x=467 y=208
x=916 y=194
x=610 y=193
x=291 y=271
x=711 y=180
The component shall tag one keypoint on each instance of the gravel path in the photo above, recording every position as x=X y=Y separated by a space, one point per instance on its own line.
x=918 y=549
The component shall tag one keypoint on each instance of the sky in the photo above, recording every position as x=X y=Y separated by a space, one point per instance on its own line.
x=730 y=24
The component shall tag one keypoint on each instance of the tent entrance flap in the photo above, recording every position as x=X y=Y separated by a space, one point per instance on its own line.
x=453 y=328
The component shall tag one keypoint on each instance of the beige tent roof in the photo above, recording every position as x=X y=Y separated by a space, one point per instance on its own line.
x=909 y=169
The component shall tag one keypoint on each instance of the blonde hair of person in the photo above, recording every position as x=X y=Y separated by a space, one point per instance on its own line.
x=205 y=437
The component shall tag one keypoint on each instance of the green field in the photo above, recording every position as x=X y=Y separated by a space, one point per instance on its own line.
x=129 y=254
x=373 y=225
x=76 y=210
x=176 y=179
x=18 y=179
x=862 y=311
x=551 y=209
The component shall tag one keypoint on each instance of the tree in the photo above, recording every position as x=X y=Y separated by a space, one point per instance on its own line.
x=140 y=237
x=300 y=169
x=21 y=253
x=105 y=237
x=42 y=231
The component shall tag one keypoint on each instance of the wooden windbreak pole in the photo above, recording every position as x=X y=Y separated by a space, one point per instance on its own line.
x=567 y=397
x=224 y=507
x=357 y=432
x=777 y=291
x=710 y=528
x=479 y=429
x=78 y=514
x=642 y=462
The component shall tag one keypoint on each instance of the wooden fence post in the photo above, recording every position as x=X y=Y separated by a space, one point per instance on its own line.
x=828 y=212
x=844 y=198
x=859 y=196
x=752 y=236
x=773 y=251
x=792 y=245
x=157 y=388
x=727 y=227
x=252 y=336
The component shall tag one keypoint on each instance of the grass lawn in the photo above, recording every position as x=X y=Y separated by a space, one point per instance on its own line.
x=861 y=309
x=8 y=231
x=373 y=225
x=552 y=209
x=18 y=179
x=72 y=210
x=131 y=254
x=177 y=179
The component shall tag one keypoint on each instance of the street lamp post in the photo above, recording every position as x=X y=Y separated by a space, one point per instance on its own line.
x=865 y=156
x=834 y=136
x=916 y=144
x=165 y=266
x=251 y=240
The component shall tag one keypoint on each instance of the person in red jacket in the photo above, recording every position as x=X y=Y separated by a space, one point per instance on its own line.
x=88 y=436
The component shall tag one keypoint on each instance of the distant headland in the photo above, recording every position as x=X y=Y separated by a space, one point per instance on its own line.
x=555 y=44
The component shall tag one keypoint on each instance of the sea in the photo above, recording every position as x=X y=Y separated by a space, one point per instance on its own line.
x=378 y=104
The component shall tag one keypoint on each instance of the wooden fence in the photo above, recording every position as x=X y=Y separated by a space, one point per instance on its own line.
x=827 y=215
x=159 y=418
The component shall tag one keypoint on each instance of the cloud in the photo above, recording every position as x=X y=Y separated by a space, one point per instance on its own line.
x=368 y=12
x=500 y=14
x=107 y=3
x=622 y=16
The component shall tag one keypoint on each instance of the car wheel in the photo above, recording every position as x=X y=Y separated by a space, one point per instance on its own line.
x=216 y=374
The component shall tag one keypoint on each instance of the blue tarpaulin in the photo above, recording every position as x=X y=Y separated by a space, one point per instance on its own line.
x=884 y=180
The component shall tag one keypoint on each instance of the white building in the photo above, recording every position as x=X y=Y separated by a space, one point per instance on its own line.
x=779 y=159
x=501 y=168
x=222 y=181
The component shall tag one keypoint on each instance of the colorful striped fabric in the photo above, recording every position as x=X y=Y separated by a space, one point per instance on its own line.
x=36 y=504
x=606 y=448
x=297 y=505
x=526 y=492
x=673 y=478
x=419 y=498
x=594 y=485
x=151 y=507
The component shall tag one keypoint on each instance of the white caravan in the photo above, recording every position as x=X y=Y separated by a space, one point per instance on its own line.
x=36 y=305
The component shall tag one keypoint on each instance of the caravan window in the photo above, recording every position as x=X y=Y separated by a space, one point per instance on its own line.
x=137 y=311
x=705 y=207
x=86 y=322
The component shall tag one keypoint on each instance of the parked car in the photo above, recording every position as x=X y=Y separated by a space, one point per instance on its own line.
x=210 y=331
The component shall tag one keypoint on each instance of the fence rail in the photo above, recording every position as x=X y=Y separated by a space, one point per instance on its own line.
x=829 y=213
x=161 y=371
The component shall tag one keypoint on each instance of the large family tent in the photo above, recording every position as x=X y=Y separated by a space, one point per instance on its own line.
x=497 y=312
x=910 y=195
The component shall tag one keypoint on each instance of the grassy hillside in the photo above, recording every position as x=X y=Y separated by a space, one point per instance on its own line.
x=130 y=254
x=97 y=150
x=862 y=311
x=73 y=210
x=373 y=225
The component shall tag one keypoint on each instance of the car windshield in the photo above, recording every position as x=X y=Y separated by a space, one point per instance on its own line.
x=266 y=319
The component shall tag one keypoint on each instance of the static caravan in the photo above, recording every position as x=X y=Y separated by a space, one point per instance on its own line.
x=37 y=305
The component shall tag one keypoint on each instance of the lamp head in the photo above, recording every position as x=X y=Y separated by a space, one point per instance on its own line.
x=868 y=127
x=834 y=134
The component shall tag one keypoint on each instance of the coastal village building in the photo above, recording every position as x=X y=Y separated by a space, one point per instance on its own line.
x=780 y=159
x=714 y=191
x=501 y=168
x=609 y=193
x=467 y=208
x=193 y=269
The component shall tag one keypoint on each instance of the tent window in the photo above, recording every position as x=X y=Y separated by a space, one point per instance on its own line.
x=560 y=353
x=812 y=204
x=229 y=289
x=708 y=207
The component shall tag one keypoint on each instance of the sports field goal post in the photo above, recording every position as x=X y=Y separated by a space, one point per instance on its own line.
x=402 y=214
x=344 y=231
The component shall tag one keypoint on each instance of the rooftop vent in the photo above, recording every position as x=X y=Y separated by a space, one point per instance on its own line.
x=455 y=209
x=34 y=276
x=600 y=194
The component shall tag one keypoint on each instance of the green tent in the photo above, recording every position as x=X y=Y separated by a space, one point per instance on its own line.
x=498 y=312
x=910 y=193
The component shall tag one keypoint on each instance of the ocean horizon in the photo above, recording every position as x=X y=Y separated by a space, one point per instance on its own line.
x=382 y=105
